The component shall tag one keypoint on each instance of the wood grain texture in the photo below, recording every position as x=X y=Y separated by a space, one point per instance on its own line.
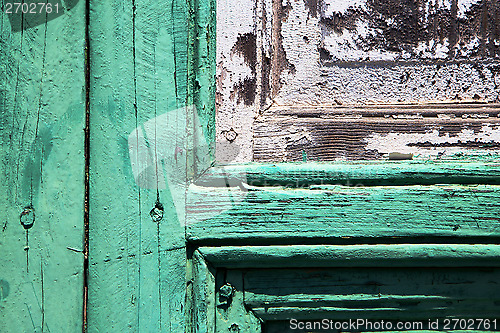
x=325 y=133
x=42 y=169
x=259 y=288
x=139 y=94
x=338 y=213
x=238 y=71
x=201 y=85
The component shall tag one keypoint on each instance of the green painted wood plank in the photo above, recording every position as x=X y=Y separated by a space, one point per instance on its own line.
x=201 y=296
x=338 y=213
x=411 y=293
x=380 y=255
x=42 y=169
x=201 y=71
x=139 y=114
x=150 y=96
x=362 y=173
x=458 y=290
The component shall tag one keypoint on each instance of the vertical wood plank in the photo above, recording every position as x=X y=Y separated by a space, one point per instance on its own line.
x=113 y=236
x=201 y=76
x=139 y=89
x=202 y=296
x=239 y=66
x=42 y=169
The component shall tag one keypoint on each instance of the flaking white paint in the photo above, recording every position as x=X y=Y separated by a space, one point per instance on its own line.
x=233 y=19
x=340 y=6
x=358 y=77
x=399 y=142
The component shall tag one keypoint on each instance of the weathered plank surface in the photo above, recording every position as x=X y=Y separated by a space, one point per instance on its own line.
x=328 y=53
x=201 y=86
x=42 y=122
x=201 y=299
x=238 y=63
x=231 y=313
x=337 y=213
x=138 y=98
x=361 y=173
x=412 y=282
x=367 y=30
x=373 y=132
x=378 y=255
x=151 y=123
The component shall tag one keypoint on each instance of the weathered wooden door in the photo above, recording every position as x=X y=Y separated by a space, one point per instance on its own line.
x=178 y=195
x=343 y=239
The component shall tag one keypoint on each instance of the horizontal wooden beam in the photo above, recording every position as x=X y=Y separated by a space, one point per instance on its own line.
x=330 y=133
x=340 y=213
x=385 y=255
x=423 y=110
x=379 y=291
x=335 y=313
x=363 y=173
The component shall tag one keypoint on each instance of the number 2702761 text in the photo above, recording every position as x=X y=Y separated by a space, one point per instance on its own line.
x=31 y=8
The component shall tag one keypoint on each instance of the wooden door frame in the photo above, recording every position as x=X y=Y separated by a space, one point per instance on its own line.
x=210 y=302
x=261 y=179
x=182 y=272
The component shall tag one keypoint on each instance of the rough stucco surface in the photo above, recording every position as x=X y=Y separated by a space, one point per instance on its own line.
x=324 y=53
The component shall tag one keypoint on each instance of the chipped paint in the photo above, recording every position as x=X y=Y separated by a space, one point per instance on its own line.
x=347 y=53
x=434 y=142
x=402 y=30
x=236 y=77
x=371 y=132
x=341 y=6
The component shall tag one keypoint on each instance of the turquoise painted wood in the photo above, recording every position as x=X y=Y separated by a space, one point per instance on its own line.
x=261 y=288
x=151 y=125
x=42 y=170
x=164 y=225
x=172 y=239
